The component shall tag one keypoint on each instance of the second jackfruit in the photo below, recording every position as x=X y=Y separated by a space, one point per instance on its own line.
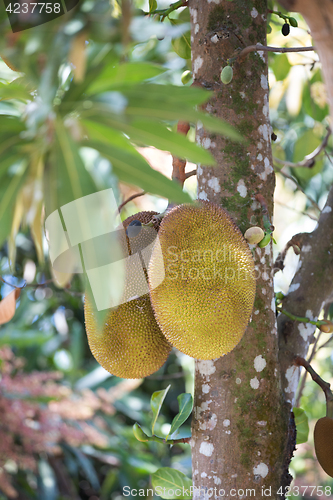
x=205 y=300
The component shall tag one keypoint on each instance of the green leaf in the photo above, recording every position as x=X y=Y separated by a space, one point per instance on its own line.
x=126 y=73
x=160 y=137
x=104 y=133
x=14 y=91
x=156 y=404
x=152 y=5
x=133 y=170
x=182 y=45
x=302 y=425
x=185 y=402
x=66 y=178
x=281 y=66
x=9 y=189
x=166 y=481
x=307 y=143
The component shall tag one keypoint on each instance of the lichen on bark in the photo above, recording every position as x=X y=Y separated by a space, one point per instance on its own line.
x=240 y=422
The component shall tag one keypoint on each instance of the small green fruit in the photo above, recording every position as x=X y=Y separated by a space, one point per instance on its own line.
x=139 y=434
x=264 y=242
x=293 y=22
x=254 y=235
x=226 y=75
x=186 y=76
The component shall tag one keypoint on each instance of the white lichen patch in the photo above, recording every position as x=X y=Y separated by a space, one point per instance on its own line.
x=306 y=248
x=256 y=312
x=214 y=39
x=262 y=423
x=217 y=480
x=206 y=368
x=196 y=28
x=205 y=388
x=326 y=210
x=194 y=14
x=306 y=330
x=213 y=1
x=206 y=142
x=263 y=130
x=234 y=476
x=206 y=449
x=238 y=381
x=226 y=422
x=254 y=12
x=241 y=188
x=213 y=183
x=259 y=157
x=292 y=378
x=263 y=291
x=198 y=62
x=199 y=170
x=259 y=363
x=267 y=170
x=211 y=423
x=254 y=383
x=242 y=94
x=265 y=276
x=294 y=287
x=273 y=305
x=203 y=474
x=264 y=82
x=202 y=195
x=260 y=470
x=227 y=432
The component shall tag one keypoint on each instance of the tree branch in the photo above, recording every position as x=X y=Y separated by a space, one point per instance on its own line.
x=257 y=47
x=309 y=160
x=130 y=198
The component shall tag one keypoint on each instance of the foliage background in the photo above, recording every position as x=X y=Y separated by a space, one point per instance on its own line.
x=66 y=430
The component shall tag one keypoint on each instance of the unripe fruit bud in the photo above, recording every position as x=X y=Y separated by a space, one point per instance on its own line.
x=264 y=242
x=186 y=77
x=323 y=441
x=327 y=327
x=226 y=75
x=253 y=235
x=139 y=434
x=285 y=29
x=293 y=22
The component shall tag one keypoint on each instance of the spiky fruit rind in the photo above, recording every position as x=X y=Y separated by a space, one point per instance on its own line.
x=131 y=344
x=226 y=75
x=253 y=235
x=323 y=441
x=205 y=301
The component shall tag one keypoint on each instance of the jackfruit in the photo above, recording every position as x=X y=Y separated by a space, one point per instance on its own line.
x=205 y=300
x=323 y=441
x=131 y=344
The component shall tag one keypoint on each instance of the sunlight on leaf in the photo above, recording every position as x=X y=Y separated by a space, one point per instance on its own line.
x=156 y=404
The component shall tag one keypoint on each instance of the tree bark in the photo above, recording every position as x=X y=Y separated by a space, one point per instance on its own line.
x=242 y=438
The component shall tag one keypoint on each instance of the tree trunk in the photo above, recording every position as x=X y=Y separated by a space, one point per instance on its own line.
x=242 y=432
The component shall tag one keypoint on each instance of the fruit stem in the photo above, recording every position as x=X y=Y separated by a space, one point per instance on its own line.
x=325 y=386
x=300 y=319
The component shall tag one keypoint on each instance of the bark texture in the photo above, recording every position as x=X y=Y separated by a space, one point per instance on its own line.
x=242 y=440
x=312 y=285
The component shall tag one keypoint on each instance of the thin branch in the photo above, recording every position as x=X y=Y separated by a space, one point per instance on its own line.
x=318 y=323
x=189 y=174
x=297 y=211
x=258 y=47
x=309 y=160
x=299 y=187
x=325 y=386
x=136 y=195
x=296 y=242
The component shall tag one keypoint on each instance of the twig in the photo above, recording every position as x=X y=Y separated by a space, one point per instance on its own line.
x=301 y=319
x=325 y=386
x=165 y=12
x=287 y=176
x=136 y=195
x=297 y=211
x=309 y=160
x=189 y=174
x=258 y=47
x=296 y=242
